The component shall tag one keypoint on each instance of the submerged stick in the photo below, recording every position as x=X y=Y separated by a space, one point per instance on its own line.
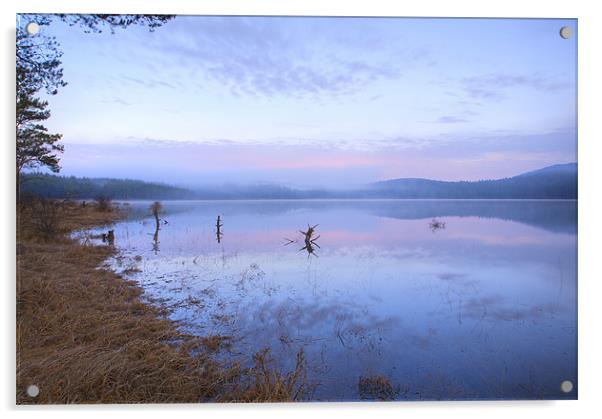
x=218 y=226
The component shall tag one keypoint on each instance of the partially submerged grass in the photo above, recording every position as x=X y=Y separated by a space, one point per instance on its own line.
x=85 y=336
x=215 y=342
x=376 y=387
x=267 y=381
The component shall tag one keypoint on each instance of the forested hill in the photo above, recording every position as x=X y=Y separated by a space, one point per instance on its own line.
x=53 y=186
x=552 y=182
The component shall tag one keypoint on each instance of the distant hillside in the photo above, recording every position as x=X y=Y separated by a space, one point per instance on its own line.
x=552 y=182
x=52 y=186
x=568 y=169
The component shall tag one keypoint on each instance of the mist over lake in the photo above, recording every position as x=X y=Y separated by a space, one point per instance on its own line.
x=481 y=307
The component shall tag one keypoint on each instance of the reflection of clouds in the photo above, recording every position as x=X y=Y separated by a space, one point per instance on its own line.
x=484 y=305
x=385 y=294
x=451 y=276
x=495 y=308
x=387 y=233
x=424 y=341
x=259 y=310
x=340 y=321
x=513 y=240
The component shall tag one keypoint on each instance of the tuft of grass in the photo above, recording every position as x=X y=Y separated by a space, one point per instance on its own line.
x=215 y=342
x=376 y=387
x=85 y=336
x=104 y=203
x=66 y=216
x=262 y=381
x=44 y=218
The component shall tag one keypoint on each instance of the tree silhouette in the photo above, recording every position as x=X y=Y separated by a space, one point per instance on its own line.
x=35 y=145
x=38 y=68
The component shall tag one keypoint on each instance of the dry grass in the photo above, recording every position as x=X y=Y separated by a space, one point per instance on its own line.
x=376 y=387
x=215 y=342
x=103 y=203
x=264 y=380
x=85 y=336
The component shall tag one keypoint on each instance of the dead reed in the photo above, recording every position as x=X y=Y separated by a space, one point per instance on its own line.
x=376 y=387
x=85 y=336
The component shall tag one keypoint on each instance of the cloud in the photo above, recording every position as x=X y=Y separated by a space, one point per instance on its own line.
x=147 y=83
x=273 y=56
x=492 y=86
x=471 y=147
x=450 y=120
x=118 y=101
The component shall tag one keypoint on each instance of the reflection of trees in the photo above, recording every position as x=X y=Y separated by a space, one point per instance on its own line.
x=156 y=240
x=557 y=216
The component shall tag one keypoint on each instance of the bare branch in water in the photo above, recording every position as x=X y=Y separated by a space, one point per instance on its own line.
x=308 y=239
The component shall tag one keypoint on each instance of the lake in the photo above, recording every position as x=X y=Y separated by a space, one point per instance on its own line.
x=445 y=299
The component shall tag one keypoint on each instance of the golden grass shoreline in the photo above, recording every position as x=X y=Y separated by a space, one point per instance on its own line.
x=85 y=336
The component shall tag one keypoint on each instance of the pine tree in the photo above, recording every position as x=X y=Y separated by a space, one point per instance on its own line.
x=35 y=145
x=38 y=67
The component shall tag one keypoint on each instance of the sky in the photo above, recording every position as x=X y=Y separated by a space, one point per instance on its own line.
x=305 y=102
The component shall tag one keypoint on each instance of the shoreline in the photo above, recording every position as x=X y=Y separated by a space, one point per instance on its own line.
x=85 y=335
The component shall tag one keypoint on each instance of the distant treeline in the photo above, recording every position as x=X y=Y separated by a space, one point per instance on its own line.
x=553 y=182
x=53 y=186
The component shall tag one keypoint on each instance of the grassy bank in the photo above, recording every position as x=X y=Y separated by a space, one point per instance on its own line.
x=85 y=336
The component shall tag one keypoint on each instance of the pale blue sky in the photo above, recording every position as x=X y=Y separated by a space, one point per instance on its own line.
x=317 y=101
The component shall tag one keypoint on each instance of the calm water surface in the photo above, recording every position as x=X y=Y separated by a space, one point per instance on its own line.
x=484 y=308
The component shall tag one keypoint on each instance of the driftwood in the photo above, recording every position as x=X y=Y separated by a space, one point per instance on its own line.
x=308 y=239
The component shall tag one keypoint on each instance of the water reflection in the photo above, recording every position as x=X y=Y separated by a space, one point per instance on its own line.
x=485 y=308
x=108 y=237
x=155 y=243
